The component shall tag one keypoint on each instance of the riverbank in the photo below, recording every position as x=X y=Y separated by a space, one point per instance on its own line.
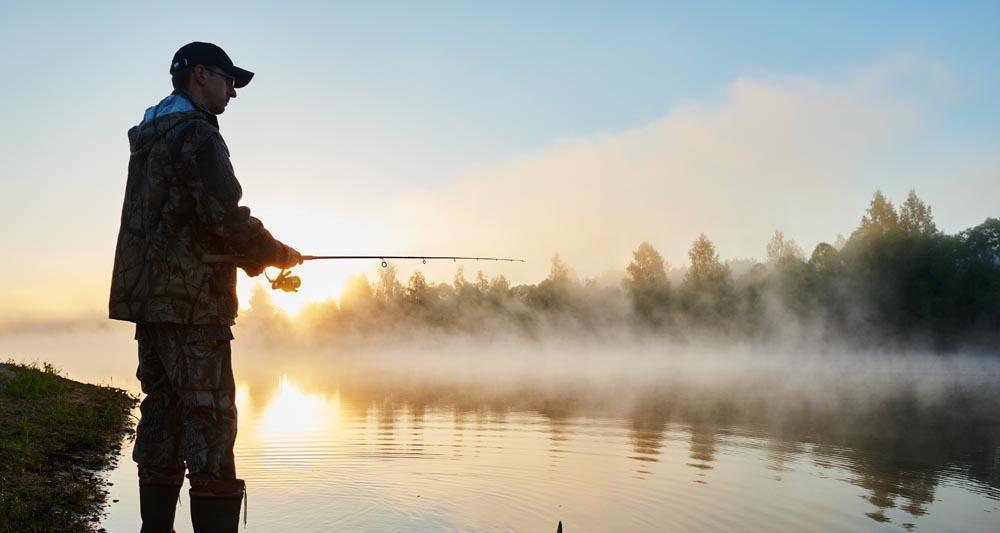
x=56 y=436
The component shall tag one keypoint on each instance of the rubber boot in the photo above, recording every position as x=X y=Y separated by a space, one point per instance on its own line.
x=215 y=505
x=157 y=505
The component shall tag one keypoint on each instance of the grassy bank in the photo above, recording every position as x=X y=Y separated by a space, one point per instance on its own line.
x=55 y=436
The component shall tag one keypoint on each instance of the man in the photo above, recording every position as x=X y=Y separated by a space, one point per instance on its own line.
x=181 y=202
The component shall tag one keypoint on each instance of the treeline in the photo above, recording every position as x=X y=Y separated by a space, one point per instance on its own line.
x=896 y=281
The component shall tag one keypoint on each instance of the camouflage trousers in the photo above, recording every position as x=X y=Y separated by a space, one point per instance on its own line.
x=188 y=417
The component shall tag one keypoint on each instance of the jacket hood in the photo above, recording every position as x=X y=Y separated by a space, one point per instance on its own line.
x=162 y=118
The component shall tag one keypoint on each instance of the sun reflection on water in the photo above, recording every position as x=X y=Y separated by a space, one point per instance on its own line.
x=293 y=412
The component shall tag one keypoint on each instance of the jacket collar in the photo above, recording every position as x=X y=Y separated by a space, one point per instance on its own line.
x=208 y=114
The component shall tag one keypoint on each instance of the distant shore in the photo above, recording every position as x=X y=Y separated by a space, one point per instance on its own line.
x=56 y=436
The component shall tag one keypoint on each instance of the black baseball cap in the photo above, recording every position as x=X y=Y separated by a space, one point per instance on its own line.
x=208 y=54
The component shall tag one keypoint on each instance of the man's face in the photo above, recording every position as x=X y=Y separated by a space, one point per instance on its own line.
x=217 y=90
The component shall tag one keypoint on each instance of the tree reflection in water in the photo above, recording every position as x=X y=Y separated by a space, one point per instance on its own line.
x=780 y=453
x=898 y=451
x=647 y=429
x=702 y=445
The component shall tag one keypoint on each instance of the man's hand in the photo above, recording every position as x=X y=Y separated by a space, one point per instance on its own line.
x=290 y=257
x=287 y=258
x=252 y=269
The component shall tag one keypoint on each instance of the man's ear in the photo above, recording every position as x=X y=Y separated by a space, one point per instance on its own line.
x=199 y=74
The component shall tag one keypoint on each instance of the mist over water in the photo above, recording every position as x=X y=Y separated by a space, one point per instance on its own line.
x=507 y=432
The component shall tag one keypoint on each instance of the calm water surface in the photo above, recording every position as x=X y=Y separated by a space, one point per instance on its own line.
x=340 y=459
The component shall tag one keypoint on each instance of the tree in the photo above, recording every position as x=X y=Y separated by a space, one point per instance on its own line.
x=416 y=292
x=705 y=264
x=554 y=292
x=825 y=259
x=984 y=241
x=779 y=248
x=459 y=281
x=980 y=292
x=647 y=285
x=559 y=273
x=264 y=316
x=915 y=216
x=358 y=295
x=647 y=268
x=482 y=284
x=499 y=288
x=880 y=218
x=467 y=293
x=262 y=304
x=387 y=288
x=707 y=294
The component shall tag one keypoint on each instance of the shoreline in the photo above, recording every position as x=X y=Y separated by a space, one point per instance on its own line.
x=57 y=438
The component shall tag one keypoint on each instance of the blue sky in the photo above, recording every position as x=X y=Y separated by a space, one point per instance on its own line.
x=358 y=109
x=459 y=82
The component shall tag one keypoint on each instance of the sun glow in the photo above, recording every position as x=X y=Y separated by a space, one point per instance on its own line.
x=315 y=233
x=320 y=282
x=242 y=400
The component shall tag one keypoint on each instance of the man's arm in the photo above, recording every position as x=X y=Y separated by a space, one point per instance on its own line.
x=217 y=193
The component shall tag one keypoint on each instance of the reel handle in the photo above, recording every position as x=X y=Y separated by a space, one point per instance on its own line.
x=285 y=281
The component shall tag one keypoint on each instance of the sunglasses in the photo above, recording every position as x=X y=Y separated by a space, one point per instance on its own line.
x=230 y=81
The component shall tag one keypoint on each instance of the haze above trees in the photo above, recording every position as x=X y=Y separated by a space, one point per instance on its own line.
x=896 y=282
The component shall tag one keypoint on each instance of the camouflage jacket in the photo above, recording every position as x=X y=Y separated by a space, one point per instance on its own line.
x=181 y=201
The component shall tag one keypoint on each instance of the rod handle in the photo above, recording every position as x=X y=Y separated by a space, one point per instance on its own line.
x=220 y=258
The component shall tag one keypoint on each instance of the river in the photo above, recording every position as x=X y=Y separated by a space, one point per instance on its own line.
x=662 y=448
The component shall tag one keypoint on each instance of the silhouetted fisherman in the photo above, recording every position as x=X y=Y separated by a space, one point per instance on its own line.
x=181 y=202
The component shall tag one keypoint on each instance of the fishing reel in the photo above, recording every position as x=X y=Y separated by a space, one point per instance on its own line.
x=285 y=281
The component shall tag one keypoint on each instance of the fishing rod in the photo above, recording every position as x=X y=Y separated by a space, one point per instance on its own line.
x=287 y=282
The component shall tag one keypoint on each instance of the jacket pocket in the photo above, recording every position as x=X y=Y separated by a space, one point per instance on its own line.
x=206 y=356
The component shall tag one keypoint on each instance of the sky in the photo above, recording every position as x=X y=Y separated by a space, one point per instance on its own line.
x=522 y=129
